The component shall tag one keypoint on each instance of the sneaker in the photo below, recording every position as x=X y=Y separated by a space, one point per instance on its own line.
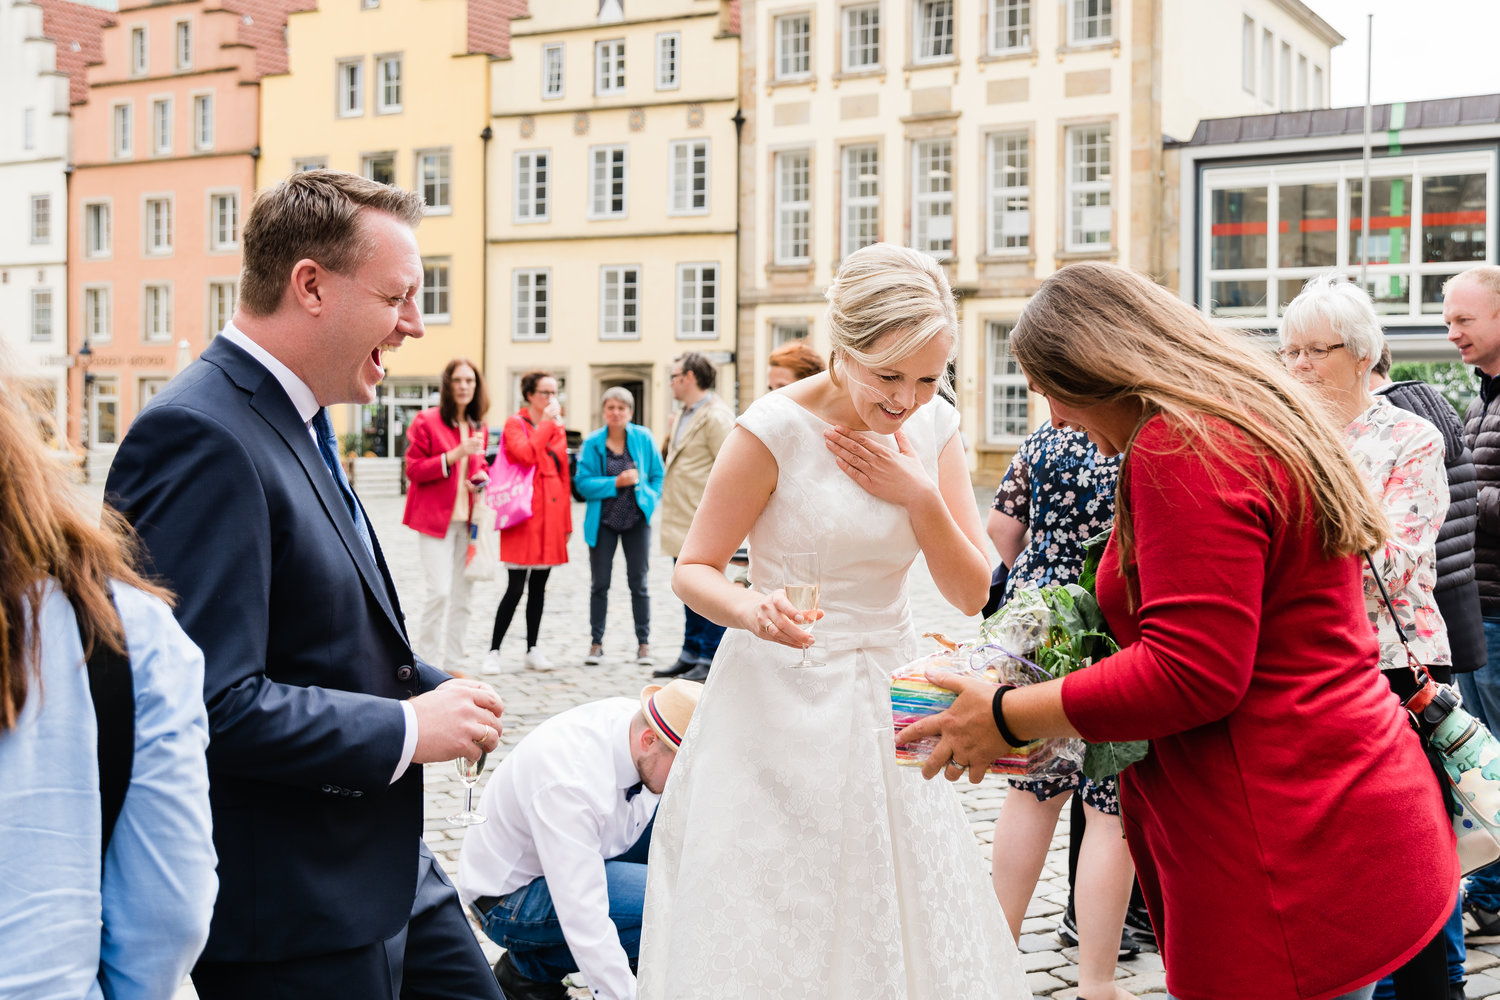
x=595 y=657
x=491 y=664
x=1138 y=923
x=537 y=660
x=1487 y=922
x=1067 y=933
x=643 y=655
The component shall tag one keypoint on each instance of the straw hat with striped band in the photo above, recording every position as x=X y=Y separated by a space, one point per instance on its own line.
x=669 y=709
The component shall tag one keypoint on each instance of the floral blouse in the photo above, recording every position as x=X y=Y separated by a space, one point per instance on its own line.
x=1061 y=488
x=1400 y=456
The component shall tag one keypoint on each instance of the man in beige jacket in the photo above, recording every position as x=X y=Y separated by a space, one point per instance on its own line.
x=693 y=442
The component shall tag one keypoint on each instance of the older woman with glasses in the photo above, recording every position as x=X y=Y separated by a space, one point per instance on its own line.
x=1330 y=338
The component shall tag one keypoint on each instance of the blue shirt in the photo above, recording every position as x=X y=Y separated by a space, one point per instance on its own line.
x=60 y=936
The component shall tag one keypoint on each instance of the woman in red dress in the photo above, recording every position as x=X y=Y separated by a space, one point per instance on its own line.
x=534 y=436
x=1289 y=841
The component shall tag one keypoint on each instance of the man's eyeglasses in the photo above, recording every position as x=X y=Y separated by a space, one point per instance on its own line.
x=1289 y=356
x=676 y=376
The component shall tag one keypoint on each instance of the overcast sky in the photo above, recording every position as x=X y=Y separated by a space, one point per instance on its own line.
x=1423 y=48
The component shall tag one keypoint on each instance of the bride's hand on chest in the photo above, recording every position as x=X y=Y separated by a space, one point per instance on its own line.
x=891 y=474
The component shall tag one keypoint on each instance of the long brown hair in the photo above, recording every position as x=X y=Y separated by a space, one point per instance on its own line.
x=448 y=406
x=1098 y=333
x=46 y=531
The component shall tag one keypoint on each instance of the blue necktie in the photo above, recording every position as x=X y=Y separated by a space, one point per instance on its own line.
x=329 y=449
x=632 y=791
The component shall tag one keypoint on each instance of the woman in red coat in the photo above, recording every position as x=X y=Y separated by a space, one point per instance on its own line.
x=445 y=473
x=1289 y=841
x=529 y=550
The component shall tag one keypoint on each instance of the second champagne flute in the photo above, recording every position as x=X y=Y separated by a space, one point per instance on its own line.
x=802 y=591
x=468 y=773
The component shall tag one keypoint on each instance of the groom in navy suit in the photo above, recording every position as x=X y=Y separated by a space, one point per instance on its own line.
x=319 y=711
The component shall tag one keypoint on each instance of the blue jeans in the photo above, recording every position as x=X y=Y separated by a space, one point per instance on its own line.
x=700 y=637
x=1481 y=691
x=525 y=922
x=637 y=544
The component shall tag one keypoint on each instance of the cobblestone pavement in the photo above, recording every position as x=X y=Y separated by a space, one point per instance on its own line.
x=531 y=697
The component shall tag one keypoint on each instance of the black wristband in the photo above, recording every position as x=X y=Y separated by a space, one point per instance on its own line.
x=1010 y=738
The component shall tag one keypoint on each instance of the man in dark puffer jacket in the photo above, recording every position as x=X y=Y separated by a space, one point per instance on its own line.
x=1471 y=311
x=1456 y=591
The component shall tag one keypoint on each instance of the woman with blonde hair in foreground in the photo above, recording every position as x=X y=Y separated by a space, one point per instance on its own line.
x=1232 y=583
x=790 y=857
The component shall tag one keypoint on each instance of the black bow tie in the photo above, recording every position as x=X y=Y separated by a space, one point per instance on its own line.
x=632 y=791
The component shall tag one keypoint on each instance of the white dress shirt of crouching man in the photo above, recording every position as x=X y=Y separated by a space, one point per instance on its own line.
x=557 y=875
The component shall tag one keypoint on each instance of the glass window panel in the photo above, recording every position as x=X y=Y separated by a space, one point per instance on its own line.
x=1238 y=230
x=1432 y=292
x=1391 y=293
x=1287 y=289
x=1453 y=218
x=1237 y=298
x=1390 y=220
x=1309 y=225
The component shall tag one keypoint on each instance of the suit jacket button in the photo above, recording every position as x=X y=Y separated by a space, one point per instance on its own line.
x=405 y=673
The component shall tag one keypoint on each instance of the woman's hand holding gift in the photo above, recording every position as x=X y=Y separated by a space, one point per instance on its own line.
x=966 y=731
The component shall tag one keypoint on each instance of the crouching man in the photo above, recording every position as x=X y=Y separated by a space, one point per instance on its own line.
x=557 y=876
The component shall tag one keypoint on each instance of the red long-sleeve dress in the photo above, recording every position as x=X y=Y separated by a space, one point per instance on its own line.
x=1288 y=832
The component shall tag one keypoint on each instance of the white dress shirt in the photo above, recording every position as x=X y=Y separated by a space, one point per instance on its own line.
x=307 y=407
x=557 y=807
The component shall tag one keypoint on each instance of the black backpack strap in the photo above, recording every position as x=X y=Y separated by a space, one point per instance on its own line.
x=113 y=693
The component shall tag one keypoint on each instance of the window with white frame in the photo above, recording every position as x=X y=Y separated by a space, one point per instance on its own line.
x=435 y=289
x=934 y=31
x=609 y=67
x=158 y=225
x=1302 y=104
x=223 y=296
x=309 y=163
x=182 y=47
x=1268 y=229
x=224 y=220
x=139 y=51
x=104 y=411
x=932 y=197
x=203 y=122
x=861 y=197
x=388 y=84
x=1087 y=178
x=350 y=87
x=98 y=235
x=531 y=303
x=552 y=72
x=607 y=182
x=533 y=185
x=668 y=43
x=28 y=129
x=434 y=178
x=379 y=167
x=861 y=37
x=784 y=331
x=98 y=313
x=697 y=301
x=1317 y=87
x=1010 y=192
x=1010 y=26
x=122 y=133
x=619 y=302
x=1090 y=21
x=688 y=177
x=1247 y=54
x=146 y=389
x=156 y=307
x=41 y=218
x=1286 y=77
x=1006 y=404
x=793 y=46
x=1267 y=54
x=793 y=207
x=161 y=127
x=41 y=315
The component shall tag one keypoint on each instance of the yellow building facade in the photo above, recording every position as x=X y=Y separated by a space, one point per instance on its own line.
x=612 y=214
x=397 y=90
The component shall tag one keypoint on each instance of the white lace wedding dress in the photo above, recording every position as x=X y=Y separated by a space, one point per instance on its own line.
x=791 y=856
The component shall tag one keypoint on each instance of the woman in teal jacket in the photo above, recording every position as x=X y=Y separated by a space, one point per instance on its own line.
x=619 y=474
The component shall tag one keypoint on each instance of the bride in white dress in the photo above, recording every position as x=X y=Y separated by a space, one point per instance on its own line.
x=791 y=856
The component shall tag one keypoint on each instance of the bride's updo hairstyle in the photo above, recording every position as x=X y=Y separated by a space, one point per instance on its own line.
x=1096 y=333
x=884 y=288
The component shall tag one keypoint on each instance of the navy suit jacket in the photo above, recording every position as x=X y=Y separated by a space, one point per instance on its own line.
x=306 y=658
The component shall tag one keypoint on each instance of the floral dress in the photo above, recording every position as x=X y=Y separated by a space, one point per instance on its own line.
x=1400 y=456
x=1063 y=490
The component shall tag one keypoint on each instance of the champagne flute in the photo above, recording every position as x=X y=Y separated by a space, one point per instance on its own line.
x=802 y=591
x=468 y=773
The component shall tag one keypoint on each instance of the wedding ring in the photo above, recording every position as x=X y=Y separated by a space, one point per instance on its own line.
x=768 y=625
x=954 y=763
x=486 y=737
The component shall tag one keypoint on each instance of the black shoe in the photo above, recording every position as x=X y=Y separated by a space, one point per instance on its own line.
x=517 y=987
x=1456 y=990
x=699 y=671
x=1138 y=923
x=1487 y=921
x=683 y=665
x=1067 y=932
